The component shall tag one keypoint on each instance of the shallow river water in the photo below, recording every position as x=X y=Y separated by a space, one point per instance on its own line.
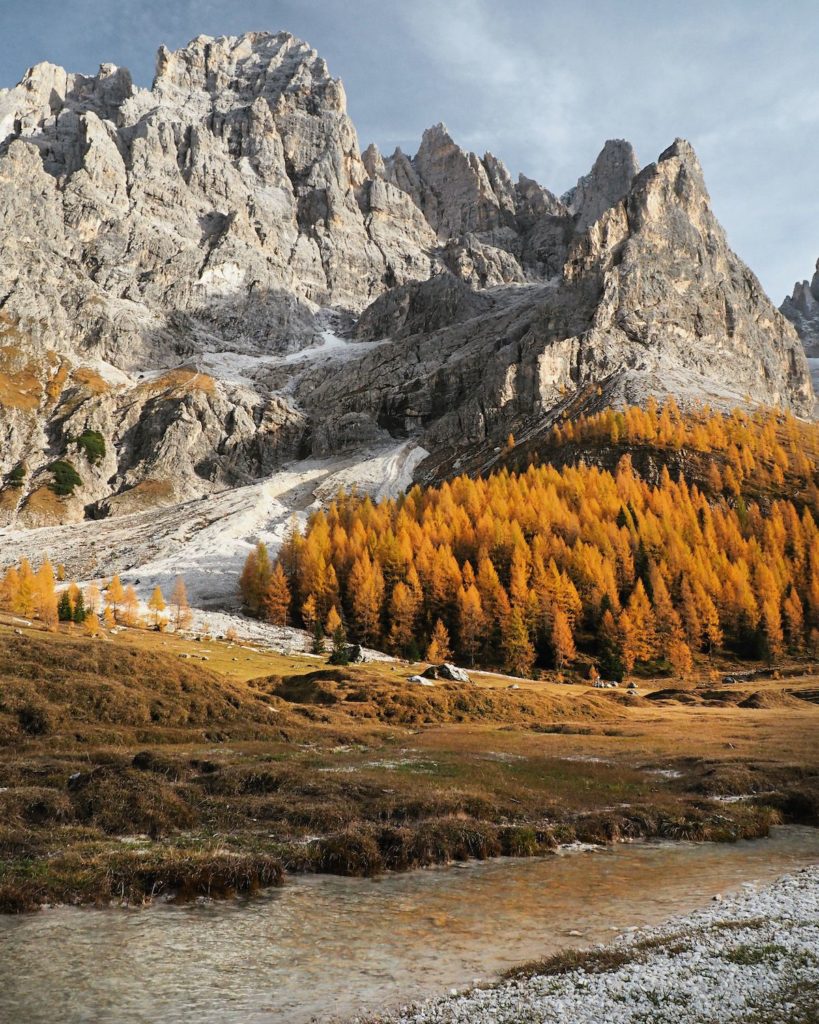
x=325 y=947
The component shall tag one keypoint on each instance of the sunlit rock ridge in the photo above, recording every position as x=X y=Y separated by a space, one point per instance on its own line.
x=213 y=276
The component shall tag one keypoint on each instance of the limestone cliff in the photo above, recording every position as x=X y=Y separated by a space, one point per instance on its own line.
x=211 y=276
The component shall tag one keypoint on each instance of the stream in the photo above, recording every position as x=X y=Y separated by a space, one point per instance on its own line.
x=325 y=947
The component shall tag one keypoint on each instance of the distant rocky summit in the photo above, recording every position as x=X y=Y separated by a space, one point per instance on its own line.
x=213 y=278
x=802 y=309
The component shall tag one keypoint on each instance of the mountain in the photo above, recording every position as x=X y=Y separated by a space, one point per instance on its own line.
x=203 y=281
x=802 y=309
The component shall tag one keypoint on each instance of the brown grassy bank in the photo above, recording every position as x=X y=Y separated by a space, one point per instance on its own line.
x=129 y=772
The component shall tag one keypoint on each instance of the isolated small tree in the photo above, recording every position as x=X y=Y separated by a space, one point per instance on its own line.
x=130 y=607
x=48 y=611
x=181 y=609
x=156 y=603
x=93 y=598
x=108 y=618
x=255 y=579
x=115 y=595
x=25 y=602
x=91 y=624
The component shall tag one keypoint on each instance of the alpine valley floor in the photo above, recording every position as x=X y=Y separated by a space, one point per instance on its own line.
x=150 y=765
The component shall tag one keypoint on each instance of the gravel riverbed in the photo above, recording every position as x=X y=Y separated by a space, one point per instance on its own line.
x=749 y=958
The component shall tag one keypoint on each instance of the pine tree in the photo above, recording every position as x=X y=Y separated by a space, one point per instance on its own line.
x=794 y=619
x=25 y=601
x=93 y=599
x=643 y=638
x=403 y=613
x=611 y=661
x=771 y=629
x=366 y=588
x=309 y=613
x=679 y=656
x=438 y=649
x=65 y=612
x=562 y=639
x=115 y=595
x=471 y=622
x=275 y=602
x=181 y=609
x=44 y=588
x=91 y=623
x=129 y=614
x=48 y=610
x=79 y=612
x=318 y=638
x=333 y=622
x=255 y=579
x=11 y=585
x=519 y=654
x=629 y=644
x=156 y=603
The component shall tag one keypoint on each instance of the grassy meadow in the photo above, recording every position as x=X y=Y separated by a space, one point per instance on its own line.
x=149 y=765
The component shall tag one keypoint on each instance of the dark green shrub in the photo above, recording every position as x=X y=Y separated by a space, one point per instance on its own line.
x=340 y=655
x=93 y=444
x=66 y=478
x=17 y=475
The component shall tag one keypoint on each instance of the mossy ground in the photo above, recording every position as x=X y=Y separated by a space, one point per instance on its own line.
x=132 y=767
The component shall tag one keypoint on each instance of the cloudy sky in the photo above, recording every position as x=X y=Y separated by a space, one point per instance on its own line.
x=540 y=83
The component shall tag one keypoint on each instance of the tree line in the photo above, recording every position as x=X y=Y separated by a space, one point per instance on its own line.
x=44 y=595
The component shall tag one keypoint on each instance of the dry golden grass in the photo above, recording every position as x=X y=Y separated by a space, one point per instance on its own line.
x=146 y=494
x=43 y=507
x=89 y=380
x=56 y=382
x=179 y=382
x=248 y=754
x=20 y=386
x=9 y=498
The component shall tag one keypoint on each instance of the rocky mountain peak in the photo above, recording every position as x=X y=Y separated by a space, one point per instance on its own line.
x=239 y=68
x=801 y=307
x=606 y=183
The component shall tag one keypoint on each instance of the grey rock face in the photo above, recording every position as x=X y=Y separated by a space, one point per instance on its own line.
x=177 y=266
x=802 y=309
x=651 y=301
x=606 y=184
